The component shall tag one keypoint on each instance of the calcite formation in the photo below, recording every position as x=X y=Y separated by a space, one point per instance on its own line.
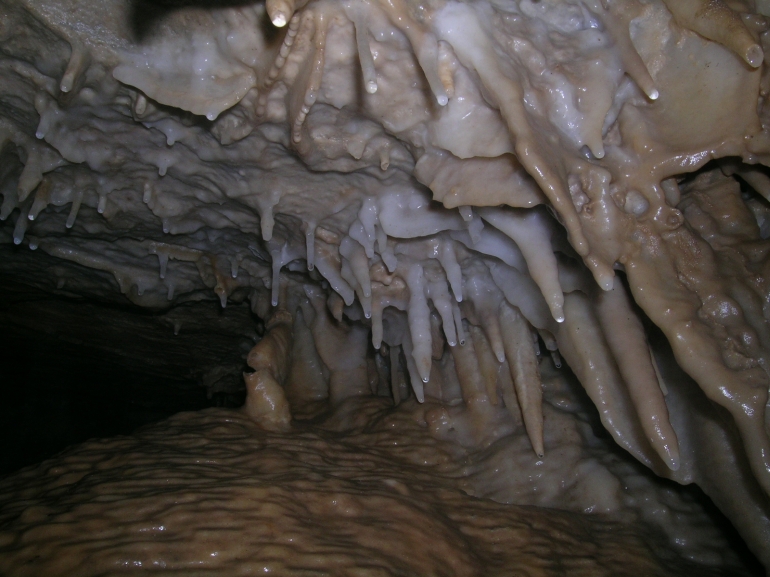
x=434 y=200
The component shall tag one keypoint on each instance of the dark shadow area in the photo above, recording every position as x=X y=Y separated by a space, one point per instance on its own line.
x=73 y=369
x=702 y=408
x=56 y=394
x=692 y=493
x=146 y=14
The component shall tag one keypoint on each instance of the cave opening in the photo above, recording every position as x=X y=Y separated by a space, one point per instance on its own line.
x=75 y=369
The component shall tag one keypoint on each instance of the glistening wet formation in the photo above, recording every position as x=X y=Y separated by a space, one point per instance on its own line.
x=439 y=204
x=367 y=492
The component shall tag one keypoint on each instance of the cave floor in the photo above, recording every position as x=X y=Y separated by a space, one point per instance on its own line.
x=364 y=491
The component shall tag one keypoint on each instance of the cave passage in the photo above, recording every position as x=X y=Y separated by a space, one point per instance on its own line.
x=73 y=369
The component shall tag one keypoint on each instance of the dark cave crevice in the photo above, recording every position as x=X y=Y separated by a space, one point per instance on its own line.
x=73 y=369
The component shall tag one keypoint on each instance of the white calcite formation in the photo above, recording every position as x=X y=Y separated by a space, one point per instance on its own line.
x=438 y=200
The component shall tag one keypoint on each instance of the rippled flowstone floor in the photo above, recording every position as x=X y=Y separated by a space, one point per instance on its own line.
x=365 y=492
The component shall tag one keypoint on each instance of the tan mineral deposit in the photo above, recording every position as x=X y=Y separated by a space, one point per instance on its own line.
x=493 y=277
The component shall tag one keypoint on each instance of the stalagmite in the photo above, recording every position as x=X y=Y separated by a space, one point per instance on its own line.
x=265 y=399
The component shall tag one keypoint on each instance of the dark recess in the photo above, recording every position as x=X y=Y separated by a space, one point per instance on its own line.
x=72 y=369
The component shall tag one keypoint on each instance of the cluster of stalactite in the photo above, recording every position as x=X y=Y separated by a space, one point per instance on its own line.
x=426 y=198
